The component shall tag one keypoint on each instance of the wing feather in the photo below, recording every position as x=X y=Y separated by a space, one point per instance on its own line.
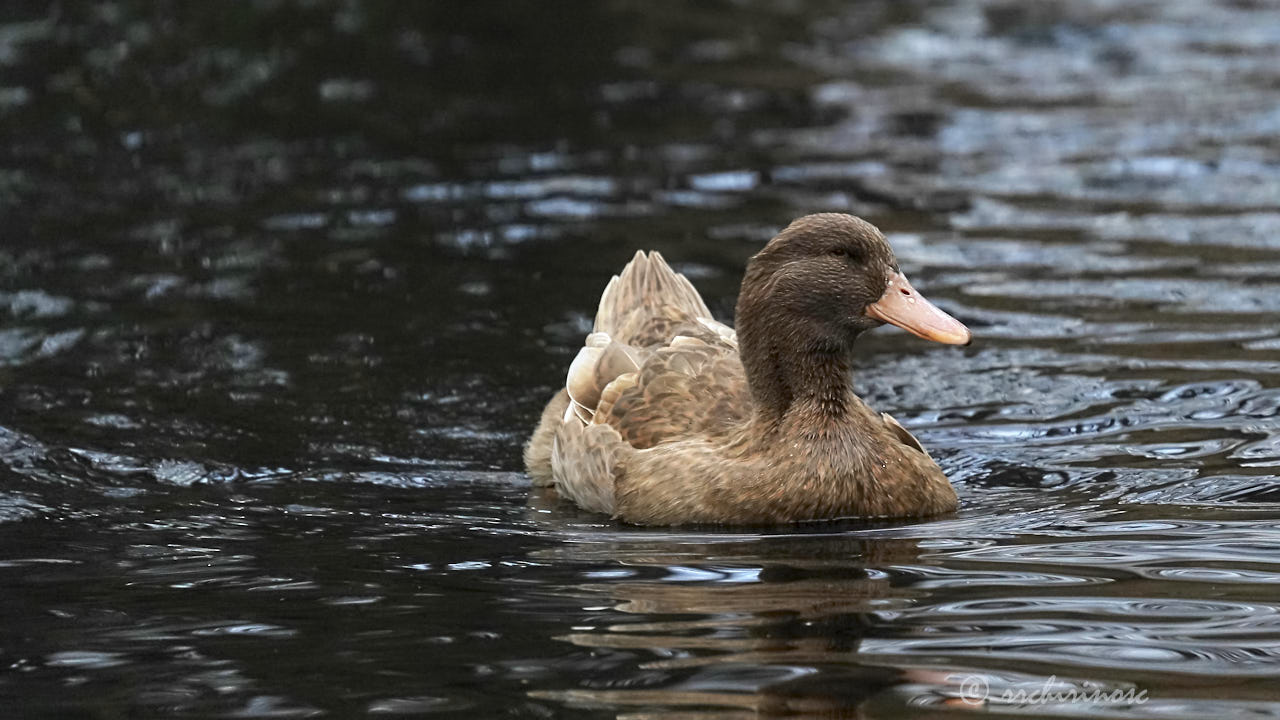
x=656 y=367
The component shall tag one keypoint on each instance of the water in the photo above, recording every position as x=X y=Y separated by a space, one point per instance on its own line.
x=283 y=289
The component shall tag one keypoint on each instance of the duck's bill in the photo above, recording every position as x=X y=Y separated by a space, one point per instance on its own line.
x=901 y=305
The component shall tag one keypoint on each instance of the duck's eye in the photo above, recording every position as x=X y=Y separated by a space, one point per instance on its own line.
x=842 y=252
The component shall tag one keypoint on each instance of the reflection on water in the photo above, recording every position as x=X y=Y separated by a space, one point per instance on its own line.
x=283 y=287
x=806 y=623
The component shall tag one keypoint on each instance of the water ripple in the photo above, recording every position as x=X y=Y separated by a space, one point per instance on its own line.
x=278 y=319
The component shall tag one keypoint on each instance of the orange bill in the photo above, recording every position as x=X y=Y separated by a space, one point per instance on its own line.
x=901 y=305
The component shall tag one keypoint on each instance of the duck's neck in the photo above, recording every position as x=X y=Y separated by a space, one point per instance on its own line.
x=810 y=384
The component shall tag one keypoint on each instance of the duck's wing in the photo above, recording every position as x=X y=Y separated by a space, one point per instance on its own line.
x=695 y=387
x=902 y=434
x=656 y=368
x=689 y=380
x=691 y=389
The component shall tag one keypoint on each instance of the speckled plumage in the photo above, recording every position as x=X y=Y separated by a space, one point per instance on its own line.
x=669 y=417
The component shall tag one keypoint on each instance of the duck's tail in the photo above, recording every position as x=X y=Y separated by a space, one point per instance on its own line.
x=649 y=285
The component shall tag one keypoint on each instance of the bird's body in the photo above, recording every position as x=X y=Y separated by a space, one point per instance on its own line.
x=670 y=417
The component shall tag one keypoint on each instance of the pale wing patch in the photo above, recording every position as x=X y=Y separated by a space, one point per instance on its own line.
x=597 y=364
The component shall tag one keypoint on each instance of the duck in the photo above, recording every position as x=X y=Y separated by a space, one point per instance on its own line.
x=671 y=417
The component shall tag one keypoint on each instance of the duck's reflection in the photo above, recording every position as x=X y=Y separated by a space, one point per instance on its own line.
x=728 y=626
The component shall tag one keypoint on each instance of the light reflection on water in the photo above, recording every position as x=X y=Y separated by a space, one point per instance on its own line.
x=274 y=322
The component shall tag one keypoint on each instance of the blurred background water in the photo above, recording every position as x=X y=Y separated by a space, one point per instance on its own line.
x=283 y=287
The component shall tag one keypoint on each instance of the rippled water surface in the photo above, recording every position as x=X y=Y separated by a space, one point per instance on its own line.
x=283 y=288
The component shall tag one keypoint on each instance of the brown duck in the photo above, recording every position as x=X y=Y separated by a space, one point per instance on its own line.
x=670 y=417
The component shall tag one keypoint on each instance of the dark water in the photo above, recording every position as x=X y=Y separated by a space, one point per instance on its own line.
x=283 y=288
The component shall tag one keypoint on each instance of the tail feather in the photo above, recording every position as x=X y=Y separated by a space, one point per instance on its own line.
x=646 y=282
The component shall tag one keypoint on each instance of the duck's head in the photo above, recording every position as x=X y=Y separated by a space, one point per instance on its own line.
x=829 y=277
